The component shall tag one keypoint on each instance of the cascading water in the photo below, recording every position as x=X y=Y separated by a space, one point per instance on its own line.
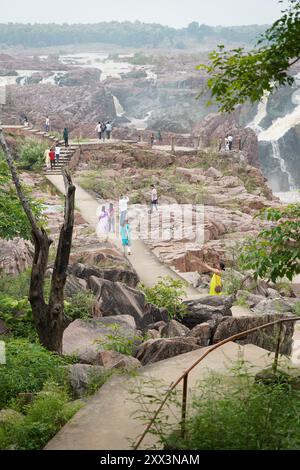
x=277 y=156
x=119 y=108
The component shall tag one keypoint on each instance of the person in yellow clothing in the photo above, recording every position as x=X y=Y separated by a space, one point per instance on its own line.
x=216 y=286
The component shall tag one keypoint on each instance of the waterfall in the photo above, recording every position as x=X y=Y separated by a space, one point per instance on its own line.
x=119 y=108
x=277 y=156
x=260 y=115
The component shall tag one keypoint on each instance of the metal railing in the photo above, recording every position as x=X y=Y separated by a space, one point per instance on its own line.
x=184 y=376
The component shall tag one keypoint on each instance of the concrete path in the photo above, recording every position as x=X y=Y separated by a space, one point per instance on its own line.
x=147 y=266
x=107 y=423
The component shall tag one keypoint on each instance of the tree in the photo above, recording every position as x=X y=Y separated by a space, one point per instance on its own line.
x=237 y=75
x=275 y=252
x=49 y=318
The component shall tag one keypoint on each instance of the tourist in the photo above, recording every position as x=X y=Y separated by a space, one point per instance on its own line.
x=123 y=208
x=102 y=228
x=230 y=142
x=159 y=137
x=52 y=158
x=108 y=129
x=103 y=130
x=125 y=232
x=98 y=130
x=47 y=158
x=47 y=124
x=216 y=286
x=220 y=144
x=152 y=138
x=26 y=123
x=57 y=153
x=226 y=143
x=154 y=198
x=66 y=136
x=111 y=218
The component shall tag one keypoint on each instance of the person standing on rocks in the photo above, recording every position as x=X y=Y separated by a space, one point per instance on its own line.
x=230 y=141
x=108 y=129
x=216 y=286
x=52 y=158
x=98 y=130
x=47 y=124
x=57 y=153
x=154 y=198
x=152 y=138
x=159 y=137
x=47 y=158
x=103 y=130
x=66 y=136
x=123 y=202
x=102 y=228
x=125 y=232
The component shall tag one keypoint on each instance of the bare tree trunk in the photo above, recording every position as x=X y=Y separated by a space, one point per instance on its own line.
x=50 y=320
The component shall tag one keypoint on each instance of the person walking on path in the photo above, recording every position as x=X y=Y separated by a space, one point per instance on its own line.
x=152 y=138
x=98 y=130
x=47 y=158
x=230 y=141
x=47 y=124
x=103 y=131
x=57 y=153
x=52 y=158
x=123 y=202
x=125 y=232
x=154 y=198
x=159 y=137
x=111 y=218
x=216 y=286
x=102 y=228
x=108 y=130
x=66 y=136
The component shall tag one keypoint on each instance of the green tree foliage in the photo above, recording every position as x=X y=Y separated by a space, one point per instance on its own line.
x=124 y=34
x=13 y=221
x=31 y=155
x=238 y=75
x=275 y=252
x=168 y=294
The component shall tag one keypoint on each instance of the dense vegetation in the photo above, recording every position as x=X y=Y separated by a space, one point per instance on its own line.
x=135 y=34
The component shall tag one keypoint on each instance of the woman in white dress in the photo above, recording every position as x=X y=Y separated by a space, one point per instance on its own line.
x=103 y=223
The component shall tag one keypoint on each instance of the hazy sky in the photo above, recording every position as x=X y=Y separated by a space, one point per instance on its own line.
x=176 y=13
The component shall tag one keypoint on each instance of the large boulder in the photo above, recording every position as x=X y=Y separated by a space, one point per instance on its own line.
x=155 y=350
x=207 y=309
x=15 y=256
x=266 y=338
x=152 y=315
x=115 y=298
x=203 y=334
x=125 y=276
x=173 y=329
x=248 y=298
x=278 y=305
x=74 y=286
x=85 y=338
x=116 y=360
x=82 y=377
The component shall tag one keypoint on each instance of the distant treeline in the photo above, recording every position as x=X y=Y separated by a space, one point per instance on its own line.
x=135 y=34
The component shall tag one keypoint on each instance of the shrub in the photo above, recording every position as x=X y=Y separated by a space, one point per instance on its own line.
x=79 y=306
x=168 y=294
x=28 y=366
x=117 y=341
x=31 y=154
x=49 y=411
x=17 y=315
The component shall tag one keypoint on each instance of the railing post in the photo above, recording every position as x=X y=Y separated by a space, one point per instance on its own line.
x=184 y=405
x=275 y=363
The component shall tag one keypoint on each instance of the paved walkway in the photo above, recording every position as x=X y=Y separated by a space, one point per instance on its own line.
x=147 y=266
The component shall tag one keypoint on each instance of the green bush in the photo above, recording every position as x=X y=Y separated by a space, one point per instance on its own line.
x=242 y=415
x=31 y=154
x=43 y=418
x=28 y=366
x=116 y=341
x=79 y=306
x=168 y=294
x=17 y=315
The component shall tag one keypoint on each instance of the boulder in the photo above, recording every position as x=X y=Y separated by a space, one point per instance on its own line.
x=81 y=377
x=83 y=337
x=266 y=338
x=202 y=333
x=74 y=286
x=250 y=299
x=173 y=329
x=15 y=256
x=157 y=326
x=213 y=173
x=207 y=309
x=155 y=350
x=153 y=314
x=125 y=276
x=116 y=360
x=153 y=334
x=278 y=305
x=115 y=298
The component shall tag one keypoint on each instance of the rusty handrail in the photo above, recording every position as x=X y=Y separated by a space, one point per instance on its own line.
x=185 y=374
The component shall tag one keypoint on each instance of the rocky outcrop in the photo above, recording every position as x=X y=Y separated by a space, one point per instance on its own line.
x=155 y=350
x=173 y=329
x=85 y=338
x=126 y=276
x=203 y=334
x=82 y=377
x=266 y=338
x=209 y=309
x=116 y=360
x=15 y=256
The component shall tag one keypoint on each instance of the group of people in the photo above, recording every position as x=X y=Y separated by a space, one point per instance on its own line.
x=158 y=138
x=107 y=223
x=228 y=142
x=104 y=130
x=52 y=156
